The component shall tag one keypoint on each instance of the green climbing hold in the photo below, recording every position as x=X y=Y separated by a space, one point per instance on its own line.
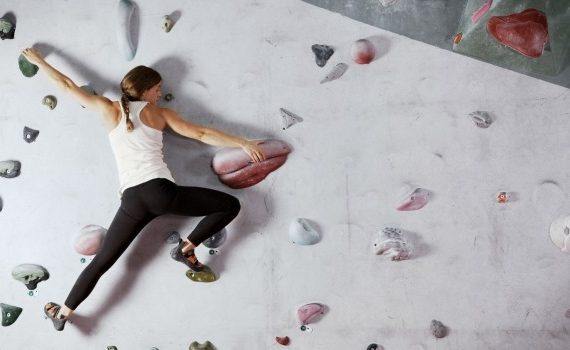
x=82 y=260
x=9 y=314
x=31 y=293
x=7 y=29
x=28 y=69
x=206 y=346
x=50 y=101
x=206 y=275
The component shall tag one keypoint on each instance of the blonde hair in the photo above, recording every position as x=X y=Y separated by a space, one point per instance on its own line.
x=134 y=84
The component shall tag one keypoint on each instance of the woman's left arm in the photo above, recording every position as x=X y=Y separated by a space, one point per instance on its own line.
x=211 y=136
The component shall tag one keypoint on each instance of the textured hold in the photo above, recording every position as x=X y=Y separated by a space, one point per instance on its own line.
x=236 y=169
x=302 y=232
x=167 y=23
x=50 y=101
x=310 y=312
x=282 y=340
x=168 y=97
x=362 y=51
x=30 y=134
x=173 y=237
x=438 y=329
x=481 y=119
x=322 y=54
x=7 y=29
x=416 y=200
x=525 y=32
x=9 y=314
x=90 y=239
x=125 y=11
x=289 y=118
x=26 y=67
x=206 y=346
x=10 y=168
x=335 y=73
x=391 y=243
x=206 y=276
x=216 y=240
x=30 y=275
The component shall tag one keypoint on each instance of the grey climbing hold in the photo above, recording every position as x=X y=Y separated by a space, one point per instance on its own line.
x=167 y=23
x=173 y=237
x=322 y=54
x=30 y=134
x=125 y=11
x=111 y=347
x=438 y=329
x=7 y=28
x=26 y=67
x=1 y=204
x=289 y=118
x=206 y=346
x=169 y=97
x=9 y=314
x=391 y=243
x=10 y=168
x=302 y=232
x=30 y=275
x=335 y=73
x=50 y=101
x=216 y=240
x=481 y=119
x=374 y=346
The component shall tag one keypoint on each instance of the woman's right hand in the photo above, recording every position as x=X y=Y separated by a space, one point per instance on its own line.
x=33 y=55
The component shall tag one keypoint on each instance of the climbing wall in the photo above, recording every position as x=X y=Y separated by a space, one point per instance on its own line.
x=413 y=208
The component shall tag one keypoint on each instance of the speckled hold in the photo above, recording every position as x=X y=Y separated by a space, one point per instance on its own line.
x=10 y=168
x=30 y=134
x=481 y=119
x=50 y=101
x=173 y=237
x=9 y=314
x=167 y=23
x=26 y=67
x=206 y=346
x=282 y=340
x=289 y=118
x=438 y=329
x=30 y=275
x=168 y=97
x=322 y=54
x=392 y=244
x=7 y=29
x=206 y=276
x=216 y=240
x=90 y=239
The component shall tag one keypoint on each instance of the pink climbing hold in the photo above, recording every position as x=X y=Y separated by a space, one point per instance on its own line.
x=481 y=11
x=89 y=240
x=309 y=312
x=416 y=200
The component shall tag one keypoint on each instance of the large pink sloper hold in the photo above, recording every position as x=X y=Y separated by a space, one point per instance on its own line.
x=416 y=200
x=235 y=168
x=90 y=239
x=309 y=312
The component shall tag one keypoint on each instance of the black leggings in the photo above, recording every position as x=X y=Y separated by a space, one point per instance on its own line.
x=142 y=203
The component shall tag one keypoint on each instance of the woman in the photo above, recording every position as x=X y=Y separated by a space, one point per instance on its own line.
x=147 y=189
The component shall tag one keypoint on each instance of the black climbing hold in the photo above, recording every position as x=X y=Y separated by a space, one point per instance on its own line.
x=322 y=54
x=30 y=134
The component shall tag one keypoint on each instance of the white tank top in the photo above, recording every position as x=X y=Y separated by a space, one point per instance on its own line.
x=138 y=153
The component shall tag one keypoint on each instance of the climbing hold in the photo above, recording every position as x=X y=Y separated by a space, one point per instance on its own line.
x=10 y=168
x=216 y=240
x=173 y=237
x=235 y=168
x=7 y=28
x=481 y=11
x=374 y=346
x=502 y=197
x=30 y=275
x=125 y=11
x=206 y=276
x=167 y=23
x=1 y=204
x=438 y=329
x=310 y=312
x=90 y=239
x=206 y=346
x=302 y=232
x=289 y=118
x=525 y=32
x=391 y=243
x=335 y=73
x=9 y=314
x=415 y=200
x=169 y=97
x=50 y=101
x=322 y=54
x=83 y=260
x=282 y=340
x=111 y=347
x=481 y=119
x=30 y=134
x=457 y=38
x=26 y=67
x=560 y=233
x=387 y=3
x=362 y=51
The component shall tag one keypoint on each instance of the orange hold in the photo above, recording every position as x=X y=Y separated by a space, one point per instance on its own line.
x=502 y=197
x=282 y=340
x=457 y=38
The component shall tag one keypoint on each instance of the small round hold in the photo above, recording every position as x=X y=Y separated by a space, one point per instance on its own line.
x=82 y=260
x=212 y=252
x=167 y=23
x=169 y=97
x=362 y=51
x=50 y=101
x=303 y=328
x=372 y=346
x=31 y=293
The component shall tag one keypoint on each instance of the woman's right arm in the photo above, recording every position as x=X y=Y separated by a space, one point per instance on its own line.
x=99 y=103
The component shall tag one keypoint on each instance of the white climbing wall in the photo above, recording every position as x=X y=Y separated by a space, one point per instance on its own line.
x=487 y=271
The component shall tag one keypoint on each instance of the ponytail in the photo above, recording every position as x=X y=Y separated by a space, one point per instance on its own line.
x=125 y=102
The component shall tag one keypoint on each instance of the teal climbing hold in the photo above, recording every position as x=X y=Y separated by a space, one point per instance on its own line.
x=206 y=346
x=26 y=67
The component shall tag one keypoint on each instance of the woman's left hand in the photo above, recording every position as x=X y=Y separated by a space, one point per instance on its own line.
x=251 y=147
